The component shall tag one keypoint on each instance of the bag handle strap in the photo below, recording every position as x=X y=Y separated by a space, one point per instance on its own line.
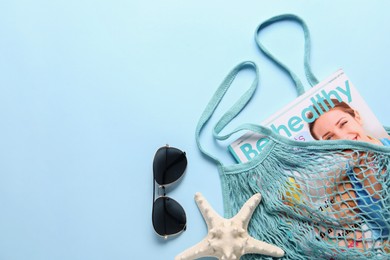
x=233 y=111
x=245 y=98
x=309 y=74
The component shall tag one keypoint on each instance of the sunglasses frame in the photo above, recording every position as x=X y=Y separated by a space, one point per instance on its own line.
x=163 y=188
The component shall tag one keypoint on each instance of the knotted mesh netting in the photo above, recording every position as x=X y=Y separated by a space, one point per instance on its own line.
x=325 y=201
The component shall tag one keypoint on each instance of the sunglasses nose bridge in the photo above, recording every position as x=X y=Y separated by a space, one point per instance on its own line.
x=162 y=188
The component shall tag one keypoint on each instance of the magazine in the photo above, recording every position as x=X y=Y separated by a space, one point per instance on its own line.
x=325 y=194
x=293 y=121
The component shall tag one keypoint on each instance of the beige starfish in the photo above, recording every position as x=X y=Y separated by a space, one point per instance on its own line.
x=228 y=238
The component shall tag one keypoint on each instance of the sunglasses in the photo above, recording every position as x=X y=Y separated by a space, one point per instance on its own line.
x=168 y=216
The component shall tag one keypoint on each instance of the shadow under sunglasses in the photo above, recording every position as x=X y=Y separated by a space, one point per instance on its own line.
x=168 y=216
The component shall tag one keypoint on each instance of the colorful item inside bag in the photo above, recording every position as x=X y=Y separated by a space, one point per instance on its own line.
x=321 y=199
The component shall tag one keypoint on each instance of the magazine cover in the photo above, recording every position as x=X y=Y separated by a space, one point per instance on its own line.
x=294 y=120
x=340 y=192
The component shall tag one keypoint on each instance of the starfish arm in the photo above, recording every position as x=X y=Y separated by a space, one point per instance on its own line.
x=228 y=238
x=259 y=247
x=202 y=249
x=246 y=212
x=208 y=213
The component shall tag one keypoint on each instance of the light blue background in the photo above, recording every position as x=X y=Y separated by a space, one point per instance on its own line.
x=90 y=89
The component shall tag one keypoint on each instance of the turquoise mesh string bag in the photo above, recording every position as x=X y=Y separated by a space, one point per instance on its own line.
x=320 y=199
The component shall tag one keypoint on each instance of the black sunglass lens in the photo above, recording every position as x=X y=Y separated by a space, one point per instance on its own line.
x=168 y=216
x=168 y=165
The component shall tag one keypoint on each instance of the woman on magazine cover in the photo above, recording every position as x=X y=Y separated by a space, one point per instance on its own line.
x=341 y=122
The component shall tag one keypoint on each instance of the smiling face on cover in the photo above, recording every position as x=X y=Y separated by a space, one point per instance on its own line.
x=337 y=124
